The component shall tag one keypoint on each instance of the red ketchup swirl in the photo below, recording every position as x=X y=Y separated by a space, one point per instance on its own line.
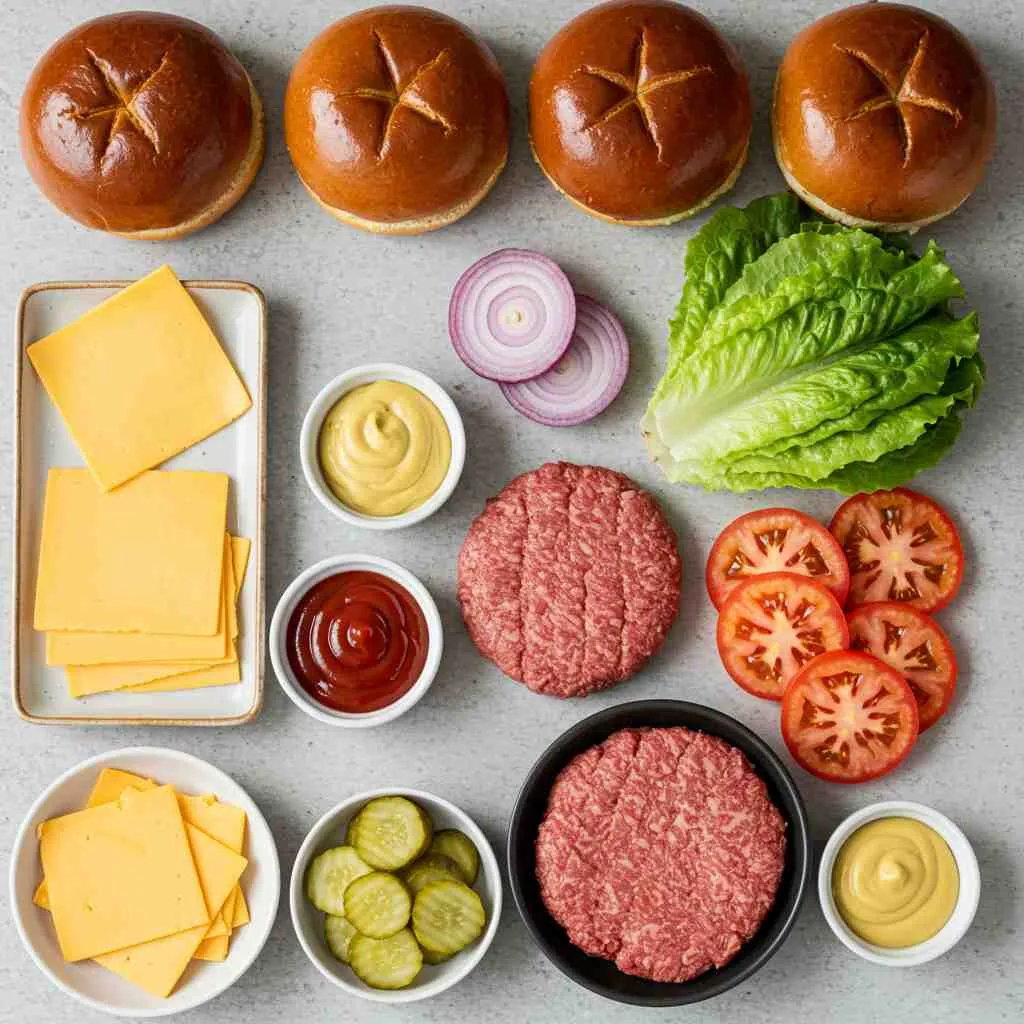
x=357 y=641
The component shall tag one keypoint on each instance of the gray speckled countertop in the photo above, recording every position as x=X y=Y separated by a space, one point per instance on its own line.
x=338 y=298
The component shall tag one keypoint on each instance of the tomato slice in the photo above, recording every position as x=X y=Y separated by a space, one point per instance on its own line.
x=775 y=540
x=913 y=644
x=774 y=624
x=901 y=547
x=848 y=717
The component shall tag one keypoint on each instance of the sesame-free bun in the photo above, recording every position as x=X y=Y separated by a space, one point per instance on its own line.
x=640 y=112
x=884 y=116
x=397 y=120
x=142 y=125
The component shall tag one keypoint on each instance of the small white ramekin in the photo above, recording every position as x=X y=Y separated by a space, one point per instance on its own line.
x=308 y=921
x=323 y=403
x=278 y=639
x=967 y=901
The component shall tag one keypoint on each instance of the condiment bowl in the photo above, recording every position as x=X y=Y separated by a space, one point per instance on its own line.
x=602 y=976
x=309 y=922
x=278 y=639
x=90 y=983
x=325 y=401
x=967 y=901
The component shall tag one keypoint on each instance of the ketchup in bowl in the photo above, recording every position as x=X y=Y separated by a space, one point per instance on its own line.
x=357 y=641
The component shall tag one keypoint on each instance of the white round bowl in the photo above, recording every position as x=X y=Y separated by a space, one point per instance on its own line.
x=87 y=981
x=309 y=922
x=967 y=901
x=325 y=401
x=278 y=639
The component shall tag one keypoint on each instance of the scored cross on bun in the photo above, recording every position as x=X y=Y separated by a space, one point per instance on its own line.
x=397 y=120
x=884 y=116
x=141 y=124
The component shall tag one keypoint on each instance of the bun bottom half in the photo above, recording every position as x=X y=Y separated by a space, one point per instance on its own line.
x=658 y=222
x=848 y=219
x=416 y=225
x=237 y=187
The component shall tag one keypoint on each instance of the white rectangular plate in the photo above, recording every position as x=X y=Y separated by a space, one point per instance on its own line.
x=237 y=313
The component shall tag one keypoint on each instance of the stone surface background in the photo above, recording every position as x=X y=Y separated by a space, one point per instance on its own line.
x=338 y=298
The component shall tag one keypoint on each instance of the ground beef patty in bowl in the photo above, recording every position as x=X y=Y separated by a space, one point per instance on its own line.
x=569 y=579
x=661 y=851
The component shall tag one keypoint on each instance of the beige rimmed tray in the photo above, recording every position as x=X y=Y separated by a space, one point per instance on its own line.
x=238 y=314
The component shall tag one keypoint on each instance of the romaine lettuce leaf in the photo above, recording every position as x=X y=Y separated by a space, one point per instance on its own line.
x=935 y=346
x=890 y=431
x=730 y=240
x=892 y=470
x=807 y=354
x=852 y=295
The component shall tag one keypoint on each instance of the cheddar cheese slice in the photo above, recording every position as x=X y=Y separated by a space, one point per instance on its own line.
x=241 y=910
x=223 y=822
x=215 y=949
x=146 y=557
x=85 y=680
x=112 y=782
x=196 y=679
x=156 y=966
x=217 y=675
x=76 y=647
x=139 y=378
x=121 y=874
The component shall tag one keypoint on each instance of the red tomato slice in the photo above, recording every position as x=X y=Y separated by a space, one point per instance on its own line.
x=913 y=644
x=848 y=717
x=901 y=547
x=774 y=624
x=775 y=540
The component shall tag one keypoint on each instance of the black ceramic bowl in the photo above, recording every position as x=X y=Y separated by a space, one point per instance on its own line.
x=602 y=976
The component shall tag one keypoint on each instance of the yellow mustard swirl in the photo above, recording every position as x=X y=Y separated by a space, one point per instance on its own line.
x=895 y=882
x=384 y=448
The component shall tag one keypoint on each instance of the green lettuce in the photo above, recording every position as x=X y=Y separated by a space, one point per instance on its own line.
x=807 y=354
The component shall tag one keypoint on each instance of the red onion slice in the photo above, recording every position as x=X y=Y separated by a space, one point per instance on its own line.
x=511 y=315
x=585 y=381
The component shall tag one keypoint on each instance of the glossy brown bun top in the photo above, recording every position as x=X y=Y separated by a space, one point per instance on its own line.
x=136 y=123
x=883 y=116
x=397 y=116
x=640 y=111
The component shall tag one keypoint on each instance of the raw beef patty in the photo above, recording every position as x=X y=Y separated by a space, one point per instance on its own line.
x=569 y=579
x=660 y=850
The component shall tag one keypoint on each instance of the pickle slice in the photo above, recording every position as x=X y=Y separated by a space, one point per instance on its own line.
x=338 y=934
x=390 y=832
x=431 y=867
x=378 y=905
x=452 y=843
x=330 y=875
x=393 y=962
x=434 y=958
x=447 y=916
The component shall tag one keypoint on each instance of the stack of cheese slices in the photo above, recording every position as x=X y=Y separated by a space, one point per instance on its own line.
x=144 y=879
x=138 y=578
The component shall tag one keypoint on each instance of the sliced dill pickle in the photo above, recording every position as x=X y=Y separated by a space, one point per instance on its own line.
x=447 y=916
x=330 y=875
x=378 y=905
x=434 y=958
x=390 y=832
x=393 y=962
x=452 y=843
x=431 y=867
x=338 y=934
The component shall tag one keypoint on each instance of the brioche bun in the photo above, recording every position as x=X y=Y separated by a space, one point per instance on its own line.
x=142 y=125
x=397 y=120
x=883 y=117
x=640 y=112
